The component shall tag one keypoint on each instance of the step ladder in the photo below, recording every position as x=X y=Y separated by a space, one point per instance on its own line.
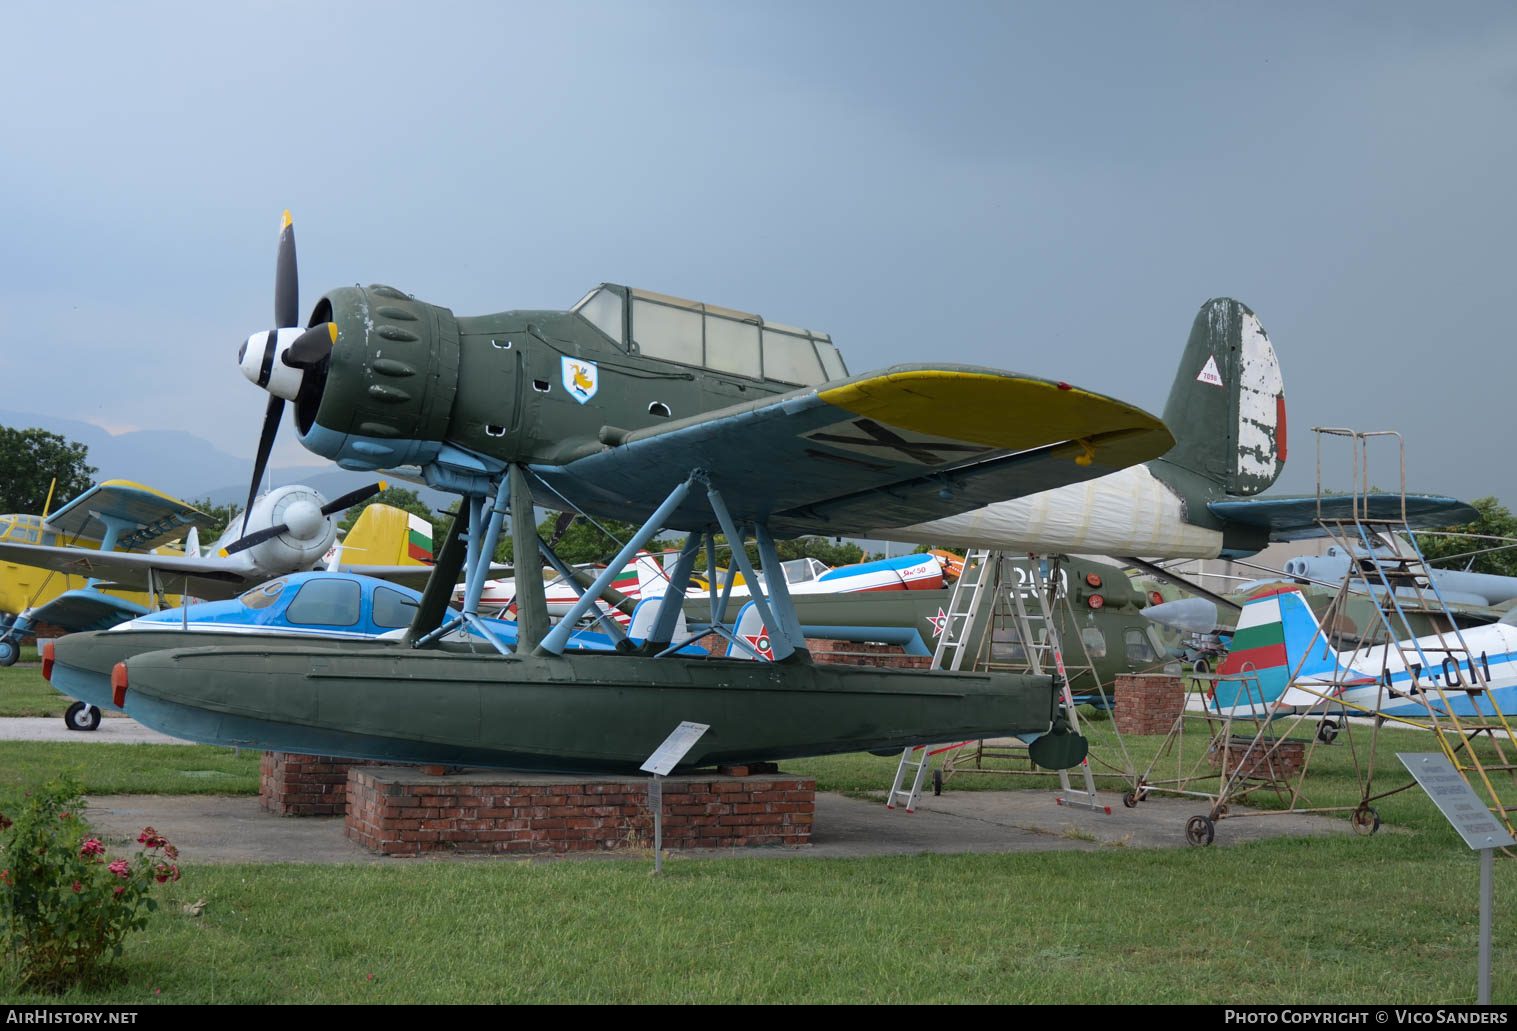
x=1040 y=639
x=975 y=584
x=989 y=578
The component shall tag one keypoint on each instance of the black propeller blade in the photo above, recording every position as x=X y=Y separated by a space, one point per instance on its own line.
x=286 y=313
x=312 y=347
x=286 y=282
x=347 y=500
x=271 y=417
x=353 y=497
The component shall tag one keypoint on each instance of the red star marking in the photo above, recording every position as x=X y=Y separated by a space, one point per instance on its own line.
x=760 y=644
x=939 y=623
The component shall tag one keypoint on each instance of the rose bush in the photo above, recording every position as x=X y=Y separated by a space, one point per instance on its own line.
x=65 y=904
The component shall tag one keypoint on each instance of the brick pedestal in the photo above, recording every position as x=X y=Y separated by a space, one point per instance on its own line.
x=398 y=811
x=1148 y=703
x=1268 y=760
x=292 y=784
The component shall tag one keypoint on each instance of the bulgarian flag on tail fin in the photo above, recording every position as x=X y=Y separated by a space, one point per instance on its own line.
x=418 y=539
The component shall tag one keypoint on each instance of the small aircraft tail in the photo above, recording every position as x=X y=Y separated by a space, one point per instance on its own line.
x=1227 y=406
x=387 y=536
x=192 y=543
x=1278 y=635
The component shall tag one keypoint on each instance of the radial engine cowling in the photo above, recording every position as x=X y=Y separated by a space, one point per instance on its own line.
x=308 y=535
x=385 y=395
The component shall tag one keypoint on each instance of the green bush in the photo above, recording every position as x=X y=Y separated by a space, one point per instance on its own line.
x=67 y=906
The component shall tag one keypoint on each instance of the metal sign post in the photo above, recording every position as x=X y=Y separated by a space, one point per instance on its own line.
x=664 y=759
x=1459 y=804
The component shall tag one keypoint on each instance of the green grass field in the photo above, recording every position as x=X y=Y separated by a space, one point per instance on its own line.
x=23 y=692
x=1390 y=917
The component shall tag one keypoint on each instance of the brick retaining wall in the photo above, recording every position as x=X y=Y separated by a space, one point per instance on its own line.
x=399 y=811
x=292 y=784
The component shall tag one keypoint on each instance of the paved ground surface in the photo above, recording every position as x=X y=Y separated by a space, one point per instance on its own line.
x=114 y=729
x=212 y=829
x=235 y=830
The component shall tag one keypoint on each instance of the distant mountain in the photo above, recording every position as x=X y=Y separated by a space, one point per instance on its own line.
x=190 y=467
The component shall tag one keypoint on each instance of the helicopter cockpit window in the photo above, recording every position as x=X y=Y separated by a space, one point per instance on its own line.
x=1138 y=648
x=603 y=309
x=327 y=601
x=1094 y=641
x=262 y=596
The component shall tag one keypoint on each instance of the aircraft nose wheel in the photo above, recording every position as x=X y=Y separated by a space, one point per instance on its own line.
x=1366 y=820
x=1132 y=798
x=81 y=717
x=1326 y=731
x=1199 y=830
x=9 y=653
x=937 y=782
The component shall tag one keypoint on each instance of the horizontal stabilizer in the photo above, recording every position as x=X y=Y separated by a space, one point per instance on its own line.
x=1295 y=518
x=86 y=609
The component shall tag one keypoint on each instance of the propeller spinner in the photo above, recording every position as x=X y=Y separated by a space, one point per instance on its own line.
x=303 y=519
x=278 y=359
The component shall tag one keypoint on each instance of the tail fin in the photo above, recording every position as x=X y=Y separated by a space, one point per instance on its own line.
x=1278 y=635
x=192 y=543
x=387 y=536
x=1227 y=406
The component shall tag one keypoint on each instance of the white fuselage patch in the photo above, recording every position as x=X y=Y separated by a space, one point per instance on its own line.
x=1129 y=512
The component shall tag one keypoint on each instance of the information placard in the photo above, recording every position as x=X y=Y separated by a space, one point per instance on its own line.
x=1456 y=800
x=673 y=749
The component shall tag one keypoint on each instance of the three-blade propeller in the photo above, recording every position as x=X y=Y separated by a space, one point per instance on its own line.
x=258 y=537
x=262 y=352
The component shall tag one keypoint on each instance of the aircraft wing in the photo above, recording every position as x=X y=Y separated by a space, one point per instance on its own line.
x=86 y=609
x=208 y=577
x=1295 y=518
x=902 y=446
x=158 y=517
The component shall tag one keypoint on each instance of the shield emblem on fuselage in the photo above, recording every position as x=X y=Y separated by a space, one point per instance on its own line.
x=581 y=378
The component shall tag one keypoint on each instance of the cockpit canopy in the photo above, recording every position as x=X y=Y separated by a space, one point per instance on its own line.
x=25 y=529
x=704 y=335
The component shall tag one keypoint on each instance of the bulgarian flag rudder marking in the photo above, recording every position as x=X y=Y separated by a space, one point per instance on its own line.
x=1260 y=638
x=418 y=538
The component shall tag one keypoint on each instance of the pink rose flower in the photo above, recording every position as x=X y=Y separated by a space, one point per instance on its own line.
x=92 y=847
x=77 y=886
x=119 y=868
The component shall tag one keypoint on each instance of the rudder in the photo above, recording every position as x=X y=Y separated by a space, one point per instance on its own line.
x=1227 y=405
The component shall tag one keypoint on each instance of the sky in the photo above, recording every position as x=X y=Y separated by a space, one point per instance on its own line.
x=1051 y=188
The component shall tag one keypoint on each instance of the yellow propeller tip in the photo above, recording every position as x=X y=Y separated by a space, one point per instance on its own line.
x=287 y=221
x=222 y=552
x=332 y=329
x=383 y=485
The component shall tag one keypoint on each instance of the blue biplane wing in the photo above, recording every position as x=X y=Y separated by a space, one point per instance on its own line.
x=1295 y=518
x=902 y=446
x=153 y=518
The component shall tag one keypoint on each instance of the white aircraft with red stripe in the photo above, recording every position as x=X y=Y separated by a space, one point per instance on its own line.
x=1282 y=662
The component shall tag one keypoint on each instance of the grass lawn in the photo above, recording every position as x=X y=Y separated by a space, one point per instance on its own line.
x=1386 y=918
x=23 y=692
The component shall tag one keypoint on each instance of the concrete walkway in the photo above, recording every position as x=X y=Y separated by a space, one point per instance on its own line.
x=114 y=729
x=211 y=829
